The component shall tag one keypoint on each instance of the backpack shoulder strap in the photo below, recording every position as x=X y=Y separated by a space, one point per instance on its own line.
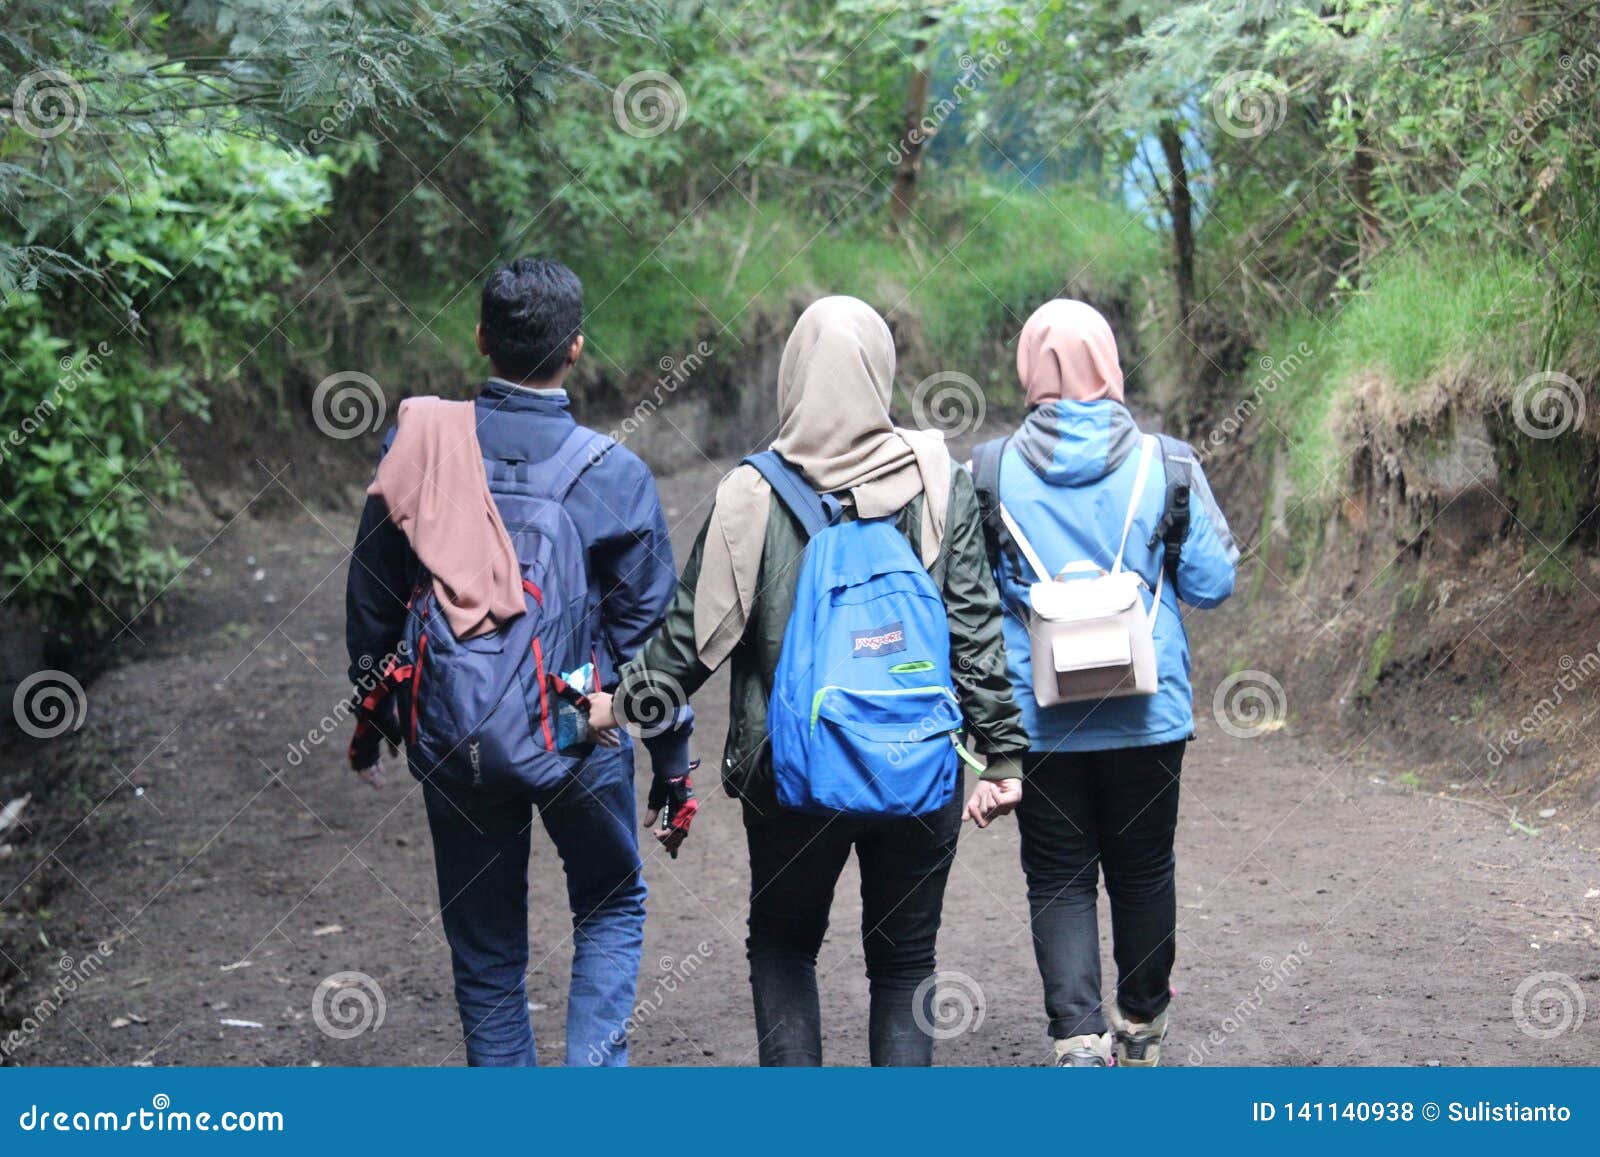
x=558 y=474
x=816 y=512
x=1177 y=460
x=986 y=457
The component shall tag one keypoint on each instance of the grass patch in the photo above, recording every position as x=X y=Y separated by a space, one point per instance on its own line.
x=1377 y=658
x=1432 y=312
x=1450 y=315
x=983 y=263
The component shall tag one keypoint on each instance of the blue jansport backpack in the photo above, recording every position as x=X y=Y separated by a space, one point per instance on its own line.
x=863 y=717
x=481 y=713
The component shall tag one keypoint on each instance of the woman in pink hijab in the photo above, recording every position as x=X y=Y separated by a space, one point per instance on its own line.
x=1067 y=350
x=1088 y=492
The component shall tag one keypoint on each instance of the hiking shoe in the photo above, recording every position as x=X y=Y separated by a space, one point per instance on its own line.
x=1138 y=1043
x=1091 y=1051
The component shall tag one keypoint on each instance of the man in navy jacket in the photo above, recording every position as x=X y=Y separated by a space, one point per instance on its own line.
x=529 y=329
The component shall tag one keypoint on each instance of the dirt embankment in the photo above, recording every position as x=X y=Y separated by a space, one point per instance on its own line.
x=1442 y=610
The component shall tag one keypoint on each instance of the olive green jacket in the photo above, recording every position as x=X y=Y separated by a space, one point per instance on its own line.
x=668 y=666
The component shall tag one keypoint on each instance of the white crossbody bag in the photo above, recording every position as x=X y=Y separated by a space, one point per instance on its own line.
x=1091 y=638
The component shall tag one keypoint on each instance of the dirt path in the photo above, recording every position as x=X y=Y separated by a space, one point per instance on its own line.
x=1326 y=917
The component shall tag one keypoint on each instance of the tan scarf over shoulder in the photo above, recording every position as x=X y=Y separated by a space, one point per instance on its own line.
x=834 y=387
x=433 y=482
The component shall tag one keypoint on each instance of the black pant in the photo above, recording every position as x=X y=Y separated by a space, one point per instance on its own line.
x=795 y=861
x=1083 y=812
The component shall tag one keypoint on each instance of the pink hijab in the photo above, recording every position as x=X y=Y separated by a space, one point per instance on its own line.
x=1067 y=351
x=434 y=484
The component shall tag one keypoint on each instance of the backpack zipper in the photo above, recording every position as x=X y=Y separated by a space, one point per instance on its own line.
x=544 y=701
x=816 y=700
x=416 y=681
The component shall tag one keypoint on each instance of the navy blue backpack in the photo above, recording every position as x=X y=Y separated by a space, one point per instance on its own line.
x=481 y=713
x=863 y=716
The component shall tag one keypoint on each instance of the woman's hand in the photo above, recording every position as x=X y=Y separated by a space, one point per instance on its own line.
x=993 y=798
x=602 y=722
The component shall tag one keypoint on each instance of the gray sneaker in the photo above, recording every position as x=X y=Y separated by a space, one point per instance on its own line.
x=1138 y=1043
x=1090 y=1051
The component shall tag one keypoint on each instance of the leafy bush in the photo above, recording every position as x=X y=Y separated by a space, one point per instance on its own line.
x=189 y=262
x=80 y=480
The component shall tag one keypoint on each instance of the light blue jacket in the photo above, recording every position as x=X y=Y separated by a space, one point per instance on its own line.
x=1066 y=479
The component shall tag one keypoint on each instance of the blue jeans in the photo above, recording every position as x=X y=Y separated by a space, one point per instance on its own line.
x=480 y=848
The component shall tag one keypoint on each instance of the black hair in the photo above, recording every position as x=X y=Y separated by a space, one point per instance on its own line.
x=532 y=312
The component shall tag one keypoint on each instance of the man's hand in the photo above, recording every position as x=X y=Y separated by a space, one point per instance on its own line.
x=602 y=723
x=677 y=797
x=373 y=776
x=375 y=728
x=993 y=798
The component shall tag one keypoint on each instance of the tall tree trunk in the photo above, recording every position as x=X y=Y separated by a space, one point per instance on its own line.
x=1369 y=228
x=909 y=166
x=1180 y=208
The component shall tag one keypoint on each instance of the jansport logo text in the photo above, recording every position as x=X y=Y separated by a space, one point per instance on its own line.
x=879 y=641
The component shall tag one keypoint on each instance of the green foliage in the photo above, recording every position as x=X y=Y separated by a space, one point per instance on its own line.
x=182 y=271
x=1390 y=191
x=725 y=271
x=91 y=86
x=80 y=478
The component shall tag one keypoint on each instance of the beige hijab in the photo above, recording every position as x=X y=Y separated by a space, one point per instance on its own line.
x=1067 y=351
x=833 y=403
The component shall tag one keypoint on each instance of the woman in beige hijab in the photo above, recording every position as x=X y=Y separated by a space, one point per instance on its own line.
x=735 y=597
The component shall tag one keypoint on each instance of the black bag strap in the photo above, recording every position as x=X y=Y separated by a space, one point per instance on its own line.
x=1178 y=462
x=816 y=512
x=986 y=458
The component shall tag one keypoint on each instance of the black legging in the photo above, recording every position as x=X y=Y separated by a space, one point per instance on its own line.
x=1081 y=813
x=795 y=861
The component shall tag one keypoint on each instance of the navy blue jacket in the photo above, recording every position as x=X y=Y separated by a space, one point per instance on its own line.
x=614 y=506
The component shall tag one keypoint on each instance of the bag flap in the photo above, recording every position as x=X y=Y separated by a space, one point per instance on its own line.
x=1092 y=647
x=1079 y=599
